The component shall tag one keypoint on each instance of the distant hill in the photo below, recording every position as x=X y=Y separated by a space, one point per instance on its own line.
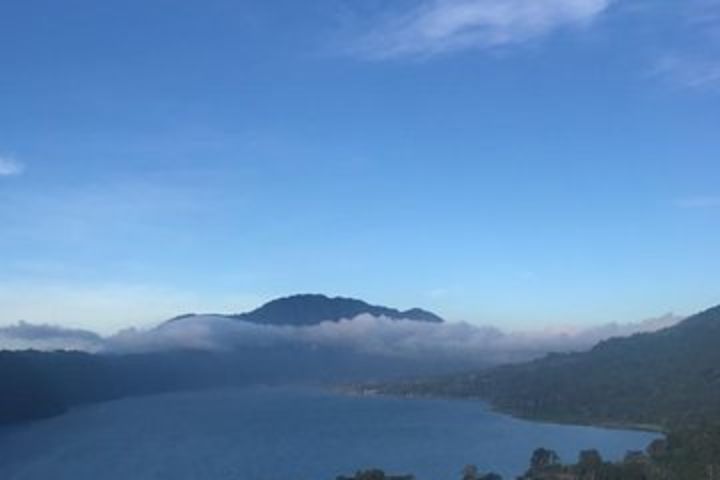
x=669 y=378
x=312 y=309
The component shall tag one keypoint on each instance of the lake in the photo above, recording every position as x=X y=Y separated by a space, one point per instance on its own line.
x=286 y=433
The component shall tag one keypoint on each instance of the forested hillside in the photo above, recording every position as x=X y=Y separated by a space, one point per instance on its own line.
x=667 y=380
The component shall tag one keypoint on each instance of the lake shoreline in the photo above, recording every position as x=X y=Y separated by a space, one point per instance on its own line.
x=370 y=392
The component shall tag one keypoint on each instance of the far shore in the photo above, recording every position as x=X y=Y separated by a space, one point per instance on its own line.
x=360 y=390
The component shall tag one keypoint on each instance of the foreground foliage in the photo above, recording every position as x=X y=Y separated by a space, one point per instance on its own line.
x=669 y=459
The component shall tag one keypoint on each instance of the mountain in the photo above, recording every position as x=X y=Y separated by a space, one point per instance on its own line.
x=312 y=309
x=667 y=378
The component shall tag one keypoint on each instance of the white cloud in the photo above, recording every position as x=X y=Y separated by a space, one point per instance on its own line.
x=24 y=335
x=461 y=343
x=9 y=167
x=379 y=336
x=440 y=26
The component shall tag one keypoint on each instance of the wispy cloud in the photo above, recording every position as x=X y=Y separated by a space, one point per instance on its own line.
x=24 y=335
x=442 y=26
x=9 y=167
x=690 y=71
x=708 y=201
x=697 y=64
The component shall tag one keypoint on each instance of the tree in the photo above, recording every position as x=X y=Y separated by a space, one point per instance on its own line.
x=471 y=472
x=543 y=458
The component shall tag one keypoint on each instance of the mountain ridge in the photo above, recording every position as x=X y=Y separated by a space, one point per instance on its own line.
x=668 y=378
x=312 y=309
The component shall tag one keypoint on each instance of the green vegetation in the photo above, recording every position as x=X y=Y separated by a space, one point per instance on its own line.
x=654 y=464
x=667 y=381
x=663 y=460
x=664 y=380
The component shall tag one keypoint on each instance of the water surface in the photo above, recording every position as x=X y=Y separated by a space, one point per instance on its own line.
x=282 y=433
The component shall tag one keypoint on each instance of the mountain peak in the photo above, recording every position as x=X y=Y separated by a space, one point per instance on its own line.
x=312 y=309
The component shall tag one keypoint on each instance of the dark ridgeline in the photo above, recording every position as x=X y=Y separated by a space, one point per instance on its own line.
x=42 y=384
x=312 y=309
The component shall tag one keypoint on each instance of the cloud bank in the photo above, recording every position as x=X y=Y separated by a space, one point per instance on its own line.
x=364 y=334
x=442 y=26
x=25 y=335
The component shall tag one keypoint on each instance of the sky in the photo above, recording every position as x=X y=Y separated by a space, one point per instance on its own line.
x=516 y=163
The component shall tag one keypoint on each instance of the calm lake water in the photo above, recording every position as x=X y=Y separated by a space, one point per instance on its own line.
x=272 y=433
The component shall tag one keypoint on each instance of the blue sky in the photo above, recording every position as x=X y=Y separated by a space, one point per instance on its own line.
x=510 y=162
